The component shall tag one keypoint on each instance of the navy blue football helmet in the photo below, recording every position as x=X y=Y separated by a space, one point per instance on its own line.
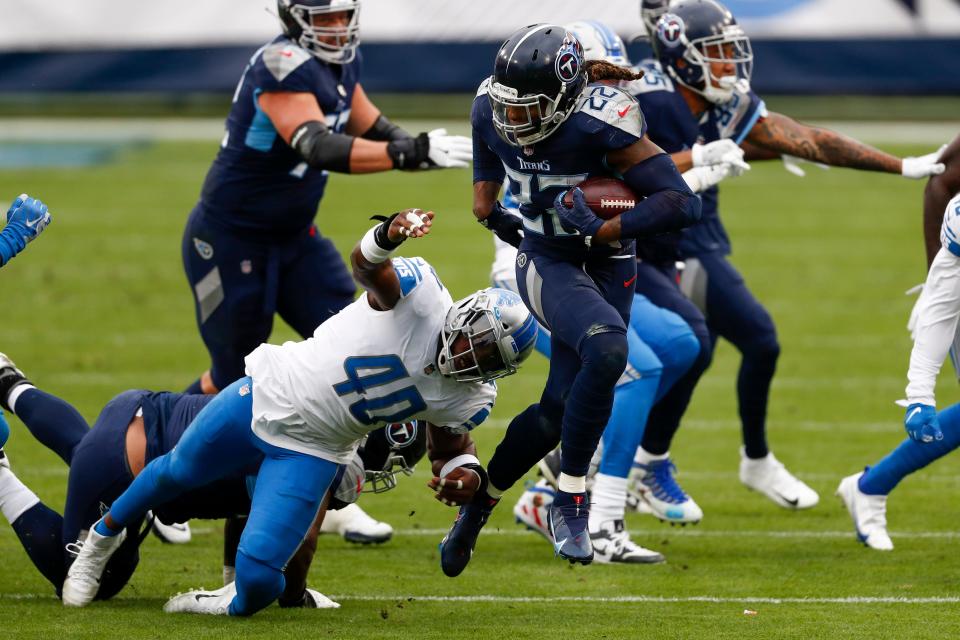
x=696 y=34
x=334 y=45
x=650 y=12
x=537 y=79
x=392 y=450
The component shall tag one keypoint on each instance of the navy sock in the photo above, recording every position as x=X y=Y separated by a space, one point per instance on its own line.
x=195 y=389
x=39 y=529
x=911 y=456
x=52 y=421
x=589 y=403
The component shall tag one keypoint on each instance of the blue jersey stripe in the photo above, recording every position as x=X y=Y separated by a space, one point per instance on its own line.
x=761 y=107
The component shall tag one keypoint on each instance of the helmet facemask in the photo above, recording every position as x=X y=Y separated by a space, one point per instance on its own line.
x=334 y=45
x=381 y=480
x=540 y=114
x=486 y=336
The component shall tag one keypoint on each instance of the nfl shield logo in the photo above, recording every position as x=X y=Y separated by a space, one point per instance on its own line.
x=246 y=266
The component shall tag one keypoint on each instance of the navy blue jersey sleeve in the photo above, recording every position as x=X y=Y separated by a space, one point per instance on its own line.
x=283 y=66
x=486 y=165
x=735 y=118
x=609 y=117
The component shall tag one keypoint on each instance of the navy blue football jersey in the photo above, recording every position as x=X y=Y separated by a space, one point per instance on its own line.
x=166 y=416
x=674 y=128
x=258 y=182
x=603 y=120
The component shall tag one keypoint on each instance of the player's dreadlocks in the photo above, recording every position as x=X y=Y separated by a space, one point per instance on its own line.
x=602 y=70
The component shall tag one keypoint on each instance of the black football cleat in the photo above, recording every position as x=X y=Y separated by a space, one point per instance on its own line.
x=456 y=548
x=567 y=518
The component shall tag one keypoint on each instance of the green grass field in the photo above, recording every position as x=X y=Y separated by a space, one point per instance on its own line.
x=100 y=304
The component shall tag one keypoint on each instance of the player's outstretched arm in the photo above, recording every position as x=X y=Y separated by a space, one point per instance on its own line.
x=457 y=472
x=26 y=219
x=940 y=189
x=372 y=268
x=785 y=135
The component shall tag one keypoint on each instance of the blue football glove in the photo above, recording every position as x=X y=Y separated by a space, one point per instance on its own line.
x=921 y=423
x=506 y=226
x=579 y=216
x=28 y=216
x=4 y=430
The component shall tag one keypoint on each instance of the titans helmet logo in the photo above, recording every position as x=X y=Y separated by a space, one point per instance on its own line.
x=401 y=434
x=670 y=29
x=569 y=59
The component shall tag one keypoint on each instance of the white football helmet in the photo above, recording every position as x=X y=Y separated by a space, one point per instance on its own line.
x=486 y=336
x=599 y=42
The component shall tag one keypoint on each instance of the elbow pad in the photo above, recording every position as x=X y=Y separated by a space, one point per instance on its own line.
x=322 y=148
x=386 y=131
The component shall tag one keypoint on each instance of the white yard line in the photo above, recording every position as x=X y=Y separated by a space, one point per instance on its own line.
x=696 y=532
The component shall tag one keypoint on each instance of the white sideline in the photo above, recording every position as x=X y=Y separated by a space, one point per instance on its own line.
x=708 y=533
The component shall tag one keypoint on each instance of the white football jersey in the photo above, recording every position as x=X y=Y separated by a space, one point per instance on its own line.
x=363 y=369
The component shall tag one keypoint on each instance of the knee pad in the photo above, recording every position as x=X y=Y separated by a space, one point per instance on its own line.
x=604 y=353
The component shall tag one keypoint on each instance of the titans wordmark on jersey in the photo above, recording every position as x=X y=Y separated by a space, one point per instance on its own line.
x=364 y=368
x=674 y=128
x=604 y=119
x=258 y=182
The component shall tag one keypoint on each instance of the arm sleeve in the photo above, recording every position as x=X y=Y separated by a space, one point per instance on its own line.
x=11 y=243
x=936 y=326
x=487 y=167
x=669 y=204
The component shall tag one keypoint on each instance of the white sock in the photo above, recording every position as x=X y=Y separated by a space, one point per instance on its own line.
x=572 y=484
x=644 y=457
x=15 y=497
x=607 y=500
x=15 y=394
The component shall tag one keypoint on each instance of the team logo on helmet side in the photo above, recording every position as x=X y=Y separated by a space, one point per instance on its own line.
x=569 y=60
x=670 y=29
x=401 y=434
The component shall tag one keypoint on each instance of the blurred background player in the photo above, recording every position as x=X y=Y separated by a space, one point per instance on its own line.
x=661 y=347
x=26 y=219
x=301 y=432
x=250 y=248
x=537 y=123
x=932 y=435
x=698 y=93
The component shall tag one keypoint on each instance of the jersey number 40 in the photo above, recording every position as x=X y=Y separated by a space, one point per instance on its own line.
x=364 y=375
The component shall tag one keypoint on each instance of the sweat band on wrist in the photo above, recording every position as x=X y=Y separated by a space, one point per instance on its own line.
x=458 y=461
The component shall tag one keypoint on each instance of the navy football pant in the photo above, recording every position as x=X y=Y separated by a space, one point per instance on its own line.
x=289 y=490
x=734 y=314
x=586 y=306
x=240 y=281
x=98 y=474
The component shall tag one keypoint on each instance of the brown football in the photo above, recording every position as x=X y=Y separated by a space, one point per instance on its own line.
x=608 y=197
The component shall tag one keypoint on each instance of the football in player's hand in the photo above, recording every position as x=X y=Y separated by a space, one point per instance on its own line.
x=457 y=487
x=607 y=197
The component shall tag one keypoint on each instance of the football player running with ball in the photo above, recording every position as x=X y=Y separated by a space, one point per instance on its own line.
x=546 y=123
x=698 y=100
x=932 y=435
x=404 y=350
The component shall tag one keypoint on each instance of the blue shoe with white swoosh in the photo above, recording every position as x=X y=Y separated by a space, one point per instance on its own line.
x=567 y=518
x=658 y=488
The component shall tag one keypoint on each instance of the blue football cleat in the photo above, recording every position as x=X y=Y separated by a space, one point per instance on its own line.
x=658 y=488
x=456 y=548
x=568 y=525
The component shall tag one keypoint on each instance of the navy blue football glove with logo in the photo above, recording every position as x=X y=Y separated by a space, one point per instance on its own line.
x=579 y=217
x=506 y=226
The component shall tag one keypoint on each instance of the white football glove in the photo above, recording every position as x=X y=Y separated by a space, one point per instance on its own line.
x=448 y=152
x=923 y=166
x=702 y=178
x=792 y=164
x=718 y=151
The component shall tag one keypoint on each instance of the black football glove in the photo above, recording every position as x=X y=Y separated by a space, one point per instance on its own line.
x=433 y=150
x=508 y=227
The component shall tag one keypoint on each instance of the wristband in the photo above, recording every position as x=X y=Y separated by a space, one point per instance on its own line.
x=371 y=251
x=458 y=461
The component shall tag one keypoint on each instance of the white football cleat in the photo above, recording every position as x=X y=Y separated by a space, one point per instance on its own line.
x=532 y=507
x=768 y=476
x=355 y=525
x=612 y=544
x=316 y=600
x=213 y=603
x=4 y=460
x=83 y=578
x=176 y=533
x=658 y=488
x=869 y=513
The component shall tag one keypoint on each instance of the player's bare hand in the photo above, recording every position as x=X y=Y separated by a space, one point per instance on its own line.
x=457 y=487
x=412 y=223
